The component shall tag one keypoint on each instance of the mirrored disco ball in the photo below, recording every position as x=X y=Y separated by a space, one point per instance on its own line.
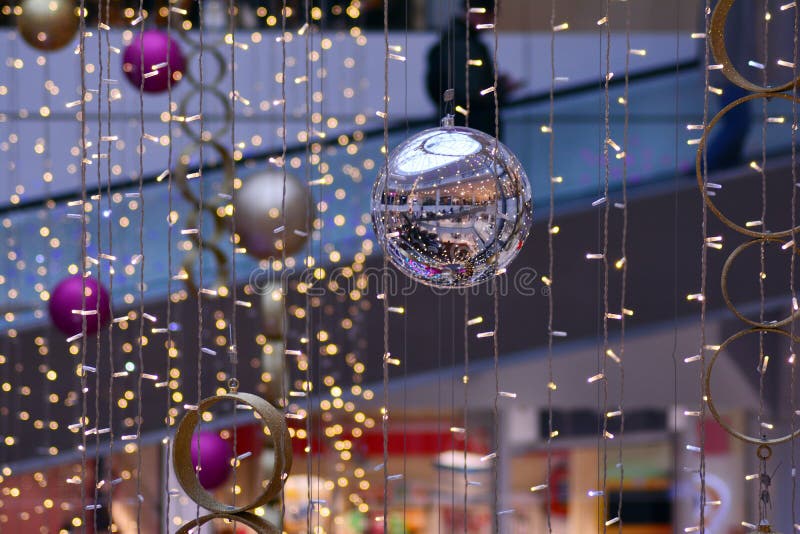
x=453 y=208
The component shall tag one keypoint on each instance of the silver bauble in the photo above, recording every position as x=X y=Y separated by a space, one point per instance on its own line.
x=48 y=24
x=258 y=214
x=453 y=208
x=272 y=311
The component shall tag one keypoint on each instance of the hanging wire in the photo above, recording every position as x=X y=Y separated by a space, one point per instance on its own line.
x=704 y=274
x=170 y=342
x=623 y=255
x=792 y=263
x=465 y=378
x=405 y=296
x=385 y=277
x=200 y=241
x=140 y=344
x=467 y=108
x=98 y=346
x=84 y=238
x=309 y=263
x=233 y=348
x=496 y=292
x=110 y=336
x=606 y=213
x=284 y=286
x=763 y=245
x=550 y=263
x=675 y=178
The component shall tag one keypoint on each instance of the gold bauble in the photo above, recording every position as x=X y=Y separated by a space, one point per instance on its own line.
x=258 y=214
x=48 y=24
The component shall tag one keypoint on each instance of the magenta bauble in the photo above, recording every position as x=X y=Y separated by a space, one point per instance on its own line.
x=67 y=297
x=157 y=50
x=215 y=459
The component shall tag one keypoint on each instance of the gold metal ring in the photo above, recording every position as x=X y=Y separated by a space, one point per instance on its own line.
x=245 y=518
x=724 y=283
x=710 y=399
x=764 y=452
x=185 y=471
x=720 y=51
x=699 y=167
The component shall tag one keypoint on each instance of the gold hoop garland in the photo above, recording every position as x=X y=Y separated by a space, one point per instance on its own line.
x=724 y=283
x=699 y=167
x=710 y=399
x=183 y=177
x=186 y=473
x=716 y=39
x=718 y=47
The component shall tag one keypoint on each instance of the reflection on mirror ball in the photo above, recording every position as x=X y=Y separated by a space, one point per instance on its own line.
x=454 y=208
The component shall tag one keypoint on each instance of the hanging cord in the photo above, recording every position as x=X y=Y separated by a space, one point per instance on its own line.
x=84 y=237
x=98 y=346
x=606 y=213
x=110 y=338
x=284 y=282
x=550 y=263
x=170 y=342
x=200 y=241
x=704 y=277
x=310 y=345
x=140 y=347
x=405 y=298
x=466 y=115
x=675 y=180
x=465 y=382
x=792 y=263
x=385 y=277
x=763 y=245
x=465 y=378
x=623 y=255
x=233 y=348
x=496 y=292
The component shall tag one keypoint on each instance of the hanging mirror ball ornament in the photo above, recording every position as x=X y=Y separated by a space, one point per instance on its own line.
x=259 y=221
x=453 y=208
x=157 y=49
x=48 y=24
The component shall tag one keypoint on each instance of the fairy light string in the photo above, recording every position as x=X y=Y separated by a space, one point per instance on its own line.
x=140 y=340
x=170 y=346
x=284 y=282
x=550 y=264
x=385 y=278
x=623 y=263
x=607 y=140
x=110 y=248
x=792 y=263
x=310 y=263
x=233 y=345
x=84 y=237
x=704 y=273
x=200 y=217
x=97 y=209
x=496 y=294
x=762 y=246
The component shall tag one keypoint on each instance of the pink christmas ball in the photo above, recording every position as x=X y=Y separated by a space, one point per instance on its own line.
x=158 y=49
x=67 y=296
x=215 y=459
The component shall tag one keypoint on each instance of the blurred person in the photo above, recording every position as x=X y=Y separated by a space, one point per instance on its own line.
x=447 y=62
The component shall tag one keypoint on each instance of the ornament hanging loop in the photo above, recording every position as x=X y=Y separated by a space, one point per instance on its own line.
x=233 y=385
